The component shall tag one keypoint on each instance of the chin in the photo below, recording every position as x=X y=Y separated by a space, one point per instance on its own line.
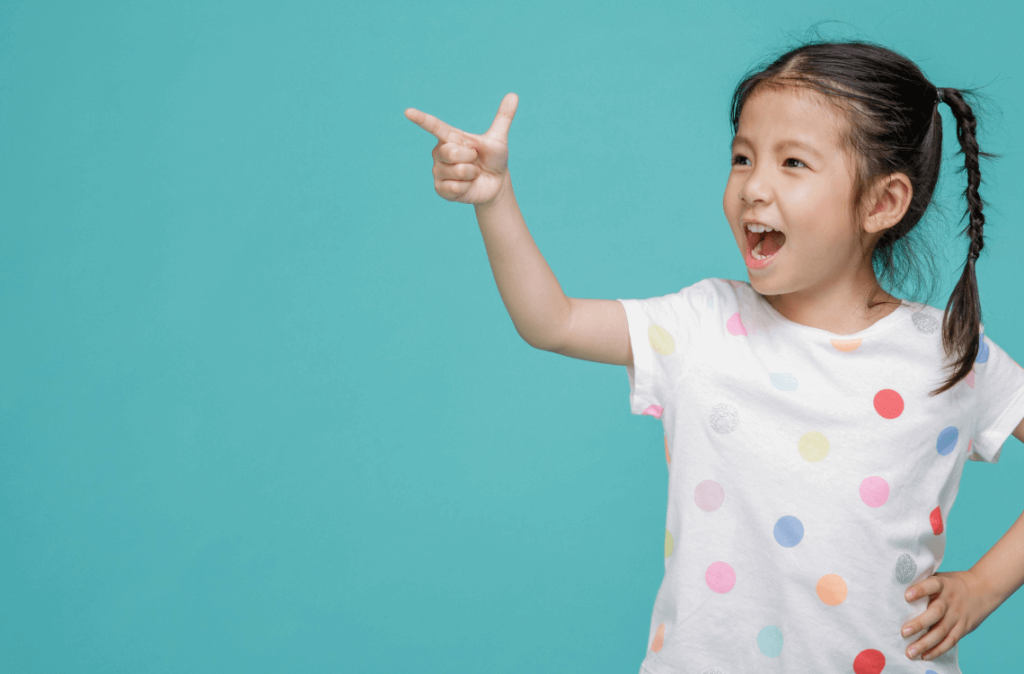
x=762 y=285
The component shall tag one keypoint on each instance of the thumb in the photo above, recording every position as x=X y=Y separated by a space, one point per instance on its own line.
x=507 y=110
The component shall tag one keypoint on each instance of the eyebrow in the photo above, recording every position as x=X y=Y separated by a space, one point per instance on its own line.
x=781 y=145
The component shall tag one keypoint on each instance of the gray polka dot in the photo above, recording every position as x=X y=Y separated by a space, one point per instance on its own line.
x=906 y=569
x=925 y=323
x=714 y=670
x=724 y=418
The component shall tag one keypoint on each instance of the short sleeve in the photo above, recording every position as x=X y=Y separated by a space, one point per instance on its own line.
x=661 y=333
x=999 y=402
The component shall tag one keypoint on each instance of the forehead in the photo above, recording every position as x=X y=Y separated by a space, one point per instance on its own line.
x=773 y=114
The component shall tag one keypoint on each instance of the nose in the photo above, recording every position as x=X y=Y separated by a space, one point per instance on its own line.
x=756 y=187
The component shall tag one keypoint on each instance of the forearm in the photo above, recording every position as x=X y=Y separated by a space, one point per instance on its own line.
x=1002 y=567
x=531 y=293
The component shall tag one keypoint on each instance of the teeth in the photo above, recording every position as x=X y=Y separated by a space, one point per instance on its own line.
x=760 y=228
x=756 y=251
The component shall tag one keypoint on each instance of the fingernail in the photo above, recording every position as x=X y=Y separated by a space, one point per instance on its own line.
x=910 y=594
x=906 y=631
x=912 y=652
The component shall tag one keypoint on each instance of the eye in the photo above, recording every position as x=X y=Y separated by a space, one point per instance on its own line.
x=739 y=158
x=797 y=161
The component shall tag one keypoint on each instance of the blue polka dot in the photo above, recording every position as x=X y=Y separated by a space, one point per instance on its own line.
x=783 y=381
x=769 y=640
x=982 y=351
x=930 y=671
x=947 y=440
x=788 y=531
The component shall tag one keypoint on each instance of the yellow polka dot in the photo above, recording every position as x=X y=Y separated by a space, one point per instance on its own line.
x=661 y=340
x=831 y=589
x=846 y=344
x=668 y=457
x=668 y=543
x=813 y=446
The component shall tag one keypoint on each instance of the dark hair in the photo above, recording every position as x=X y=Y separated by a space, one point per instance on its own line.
x=894 y=126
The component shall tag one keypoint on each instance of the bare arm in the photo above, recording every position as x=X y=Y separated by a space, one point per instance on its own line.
x=544 y=316
x=1001 y=569
x=473 y=169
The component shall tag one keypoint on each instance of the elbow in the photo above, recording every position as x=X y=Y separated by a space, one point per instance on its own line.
x=544 y=341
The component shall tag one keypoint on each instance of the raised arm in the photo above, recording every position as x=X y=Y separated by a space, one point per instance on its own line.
x=471 y=168
x=543 y=315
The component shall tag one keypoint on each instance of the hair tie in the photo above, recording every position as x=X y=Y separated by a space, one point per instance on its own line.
x=939 y=93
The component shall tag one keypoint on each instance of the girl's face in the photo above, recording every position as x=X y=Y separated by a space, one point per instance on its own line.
x=790 y=173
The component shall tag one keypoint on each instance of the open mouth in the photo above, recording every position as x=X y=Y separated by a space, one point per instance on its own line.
x=765 y=244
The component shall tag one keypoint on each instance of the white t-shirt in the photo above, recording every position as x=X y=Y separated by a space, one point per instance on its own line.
x=810 y=478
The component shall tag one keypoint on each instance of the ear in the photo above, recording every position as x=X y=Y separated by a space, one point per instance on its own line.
x=890 y=200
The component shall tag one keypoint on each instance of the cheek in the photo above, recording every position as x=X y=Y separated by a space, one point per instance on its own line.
x=816 y=209
x=731 y=199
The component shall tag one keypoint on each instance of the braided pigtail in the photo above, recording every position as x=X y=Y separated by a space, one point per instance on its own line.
x=962 y=320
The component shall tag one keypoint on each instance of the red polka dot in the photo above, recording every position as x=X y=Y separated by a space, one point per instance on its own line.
x=888 y=403
x=869 y=661
x=936 y=519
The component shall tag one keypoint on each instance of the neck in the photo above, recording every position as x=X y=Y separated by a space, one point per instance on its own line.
x=840 y=308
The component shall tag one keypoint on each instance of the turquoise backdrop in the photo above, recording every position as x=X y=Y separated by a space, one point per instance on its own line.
x=261 y=406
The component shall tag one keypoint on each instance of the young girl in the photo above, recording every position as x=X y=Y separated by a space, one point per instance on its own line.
x=816 y=426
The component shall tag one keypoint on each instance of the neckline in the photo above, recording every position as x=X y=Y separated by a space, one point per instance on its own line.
x=901 y=313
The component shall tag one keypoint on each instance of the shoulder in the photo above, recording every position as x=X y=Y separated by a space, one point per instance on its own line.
x=717 y=288
x=925 y=318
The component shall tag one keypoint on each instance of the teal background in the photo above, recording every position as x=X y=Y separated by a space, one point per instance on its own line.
x=261 y=406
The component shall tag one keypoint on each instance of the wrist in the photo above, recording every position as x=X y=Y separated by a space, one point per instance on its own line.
x=504 y=192
x=988 y=594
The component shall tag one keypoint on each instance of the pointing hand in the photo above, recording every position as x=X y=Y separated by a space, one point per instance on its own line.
x=468 y=168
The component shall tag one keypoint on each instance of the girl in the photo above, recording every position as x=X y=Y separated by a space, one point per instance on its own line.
x=816 y=426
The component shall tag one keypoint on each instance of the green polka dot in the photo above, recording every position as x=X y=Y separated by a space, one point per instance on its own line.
x=668 y=543
x=813 y=446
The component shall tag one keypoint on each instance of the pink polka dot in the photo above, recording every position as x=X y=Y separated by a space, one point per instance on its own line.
x=888 y=403
x=970 y=378
x=874 y=491
x=720 y=577
x=654 y=411
x=709 y=495
x=735 y=325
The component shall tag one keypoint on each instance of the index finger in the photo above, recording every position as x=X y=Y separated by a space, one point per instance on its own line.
x=433 y=125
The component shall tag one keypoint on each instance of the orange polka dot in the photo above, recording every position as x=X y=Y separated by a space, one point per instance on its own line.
x=668 y=457
x=846 y=344
x=831 y=589
x=659 y=638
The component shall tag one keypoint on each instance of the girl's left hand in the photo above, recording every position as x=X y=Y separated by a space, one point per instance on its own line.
x=959 y=603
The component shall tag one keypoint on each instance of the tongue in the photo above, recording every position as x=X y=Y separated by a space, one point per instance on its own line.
x=772 y=242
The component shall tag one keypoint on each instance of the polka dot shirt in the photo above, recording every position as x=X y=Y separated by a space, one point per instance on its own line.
x=810 y=478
